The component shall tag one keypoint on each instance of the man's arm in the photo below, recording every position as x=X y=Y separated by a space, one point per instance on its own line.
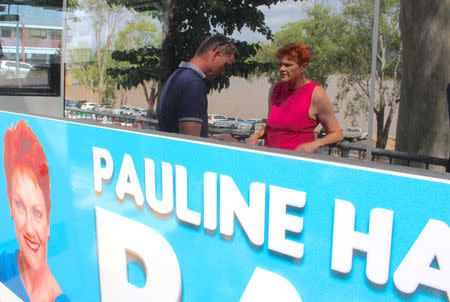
x=190 y=128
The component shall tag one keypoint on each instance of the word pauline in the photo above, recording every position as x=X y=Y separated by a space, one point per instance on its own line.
x=433 y=243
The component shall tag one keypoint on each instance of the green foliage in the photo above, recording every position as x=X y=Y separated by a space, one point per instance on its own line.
x=341 y=43
x=84 y=68
x=322 y=31
x=72 y=4
x=136 y=56
x=355 y=66
x=87 y=74
x=138 y=32
x=135 y=66
x=187 y=22
x=109 y=94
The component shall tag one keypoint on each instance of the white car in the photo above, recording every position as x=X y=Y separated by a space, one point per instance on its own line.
x=119 y=110
x=249 y=124
x=14 y=70
x=231 y=122
x=124 y=110
x=354 y=134
x=89 y=106
x=131 y=111
x=213 y=118
x=105 y=108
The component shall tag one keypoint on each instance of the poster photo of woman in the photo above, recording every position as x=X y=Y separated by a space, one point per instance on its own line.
x=25 y=271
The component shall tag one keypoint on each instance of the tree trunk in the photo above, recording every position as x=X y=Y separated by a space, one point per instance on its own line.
x=423 y=125
x=150 y=99
x=383 y=131
x=167 y=59
x=153 y=94
x=381 y=137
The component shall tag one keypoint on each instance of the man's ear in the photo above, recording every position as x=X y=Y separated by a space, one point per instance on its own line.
x=216 y=53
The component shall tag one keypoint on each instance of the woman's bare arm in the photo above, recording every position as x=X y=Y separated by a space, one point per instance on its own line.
x=322 y=110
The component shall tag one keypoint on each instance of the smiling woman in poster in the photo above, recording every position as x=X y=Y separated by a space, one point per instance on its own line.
x=25 y=272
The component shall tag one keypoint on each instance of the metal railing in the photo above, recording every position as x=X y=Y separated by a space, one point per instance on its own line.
x=105 y=117
x=343 y=149
x=355 y=150
x=109 y=118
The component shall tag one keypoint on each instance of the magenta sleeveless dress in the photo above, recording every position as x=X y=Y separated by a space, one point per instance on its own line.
x=289 y=124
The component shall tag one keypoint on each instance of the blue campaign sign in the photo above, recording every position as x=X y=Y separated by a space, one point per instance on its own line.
x=127 y=216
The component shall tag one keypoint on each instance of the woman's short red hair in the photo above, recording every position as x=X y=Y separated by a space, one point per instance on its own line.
x=21 y=149
x=298 y=52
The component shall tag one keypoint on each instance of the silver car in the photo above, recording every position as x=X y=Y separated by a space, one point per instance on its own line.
x=214 y=118
x=14 y=70
x=354 y=134
x=231 y=122
x=249 y=124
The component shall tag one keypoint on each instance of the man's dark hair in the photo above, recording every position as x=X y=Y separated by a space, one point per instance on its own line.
x=226 y=45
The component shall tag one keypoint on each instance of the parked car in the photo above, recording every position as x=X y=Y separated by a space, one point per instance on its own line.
x=74 y=103
x=213 y=118
x=14 y=69
x=89 y=106
x=354 y=134
x=124 y=110
x=119 y=110
x=249 y=124
x=131 y=110
x=231 y=122
x=105 y=108
x=69 y=103
x=144 y=113
x=79 y=103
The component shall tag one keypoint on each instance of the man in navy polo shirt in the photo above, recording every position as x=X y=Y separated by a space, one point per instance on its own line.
x=183 y=105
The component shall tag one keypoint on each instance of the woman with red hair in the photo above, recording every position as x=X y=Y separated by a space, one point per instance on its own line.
x=26 y=272
x=297 y=106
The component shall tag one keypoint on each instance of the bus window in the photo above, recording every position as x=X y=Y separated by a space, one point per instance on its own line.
x=30 y=48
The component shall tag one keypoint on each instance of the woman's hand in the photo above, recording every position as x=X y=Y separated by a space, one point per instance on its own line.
x=310 y=147
x=253 y=139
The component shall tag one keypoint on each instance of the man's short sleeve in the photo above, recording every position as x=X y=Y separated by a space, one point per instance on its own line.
x=191 y=107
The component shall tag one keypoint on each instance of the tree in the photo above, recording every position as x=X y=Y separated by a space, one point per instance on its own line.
x=356 y=54
x=82 y=67
x=134 y=69
x=341 y=44
x=423 y=115
x=321 y=31
x=105 y=19
x=137 y=33
x=133 y=60
x=185 y=23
